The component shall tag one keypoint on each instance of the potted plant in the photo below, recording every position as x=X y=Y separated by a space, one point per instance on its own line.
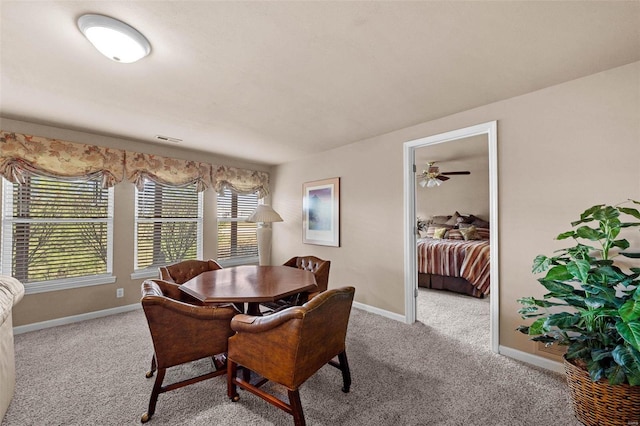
x=592 y=306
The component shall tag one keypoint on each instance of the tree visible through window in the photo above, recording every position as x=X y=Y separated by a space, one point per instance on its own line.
x=56 y=229
x=237 y=241
x=168 y=224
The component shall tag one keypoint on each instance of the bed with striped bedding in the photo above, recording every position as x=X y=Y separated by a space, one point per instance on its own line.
x=468 y=260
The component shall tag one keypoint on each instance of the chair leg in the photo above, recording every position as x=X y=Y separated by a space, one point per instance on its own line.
x=296 y=407
x=157 y=387
x=154 y=366
x=232 y=392
x=346 y=374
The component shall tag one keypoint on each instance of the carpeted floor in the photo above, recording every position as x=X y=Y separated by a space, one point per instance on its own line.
x=438 y=371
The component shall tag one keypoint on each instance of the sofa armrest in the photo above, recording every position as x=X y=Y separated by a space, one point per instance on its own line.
x=11 y=292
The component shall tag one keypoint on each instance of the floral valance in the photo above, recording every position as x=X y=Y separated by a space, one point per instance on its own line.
x=167 y=171
x=241 y=181
x=21 y=154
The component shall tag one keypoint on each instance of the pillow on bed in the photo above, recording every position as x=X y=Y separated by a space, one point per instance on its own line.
x=470 y=233
x=432 y=229
x=479 y=223
x=454 y=234
x=439 y=233
x=439 y=220
x=453 y=220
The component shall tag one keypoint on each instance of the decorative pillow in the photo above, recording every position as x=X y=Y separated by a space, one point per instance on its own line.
x=432 y=229
x=465 y=219
x=454 y=234
x=423 y=233
x=439 y=220
x=439 y=233
x=479 y=223
x=453 y=220
x=470 y=233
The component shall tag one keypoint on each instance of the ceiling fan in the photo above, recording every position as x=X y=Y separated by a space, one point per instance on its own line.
x=432 y=176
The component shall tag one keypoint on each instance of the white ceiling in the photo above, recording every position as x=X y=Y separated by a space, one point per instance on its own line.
x=274 y=81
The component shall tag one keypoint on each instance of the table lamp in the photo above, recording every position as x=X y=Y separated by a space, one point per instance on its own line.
x=263 y=215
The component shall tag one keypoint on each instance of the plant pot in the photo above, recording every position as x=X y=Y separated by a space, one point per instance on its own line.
x=599 y=403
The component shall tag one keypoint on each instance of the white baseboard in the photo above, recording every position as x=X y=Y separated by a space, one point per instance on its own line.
x=74 y=318
x=379 y=311
x=532 y=359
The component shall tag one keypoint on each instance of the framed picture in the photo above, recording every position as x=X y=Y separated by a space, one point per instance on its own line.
x=321 y=212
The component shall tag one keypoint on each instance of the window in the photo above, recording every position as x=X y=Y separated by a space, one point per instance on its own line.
x=57 y=233
x=237 y=241
x=168 y=225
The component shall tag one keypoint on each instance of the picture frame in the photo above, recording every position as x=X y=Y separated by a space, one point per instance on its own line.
x=321 y=212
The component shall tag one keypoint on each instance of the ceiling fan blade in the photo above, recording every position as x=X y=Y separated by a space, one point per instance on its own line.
x=442 y=178
x=456 y=173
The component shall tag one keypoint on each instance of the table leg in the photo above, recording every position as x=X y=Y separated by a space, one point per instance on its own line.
x=254 y=309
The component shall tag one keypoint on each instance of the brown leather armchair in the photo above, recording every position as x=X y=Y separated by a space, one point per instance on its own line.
x=181 y=333
x=182 y=272
x=289 y=346
x=320 y=269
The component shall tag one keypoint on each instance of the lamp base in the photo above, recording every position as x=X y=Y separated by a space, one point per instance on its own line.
x=264 y=244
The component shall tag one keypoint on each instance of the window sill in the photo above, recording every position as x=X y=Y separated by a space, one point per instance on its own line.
x=67 y=284
x=253 y=260
x=145 y=273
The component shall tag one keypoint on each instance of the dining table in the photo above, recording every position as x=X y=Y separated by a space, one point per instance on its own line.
x=250 y=284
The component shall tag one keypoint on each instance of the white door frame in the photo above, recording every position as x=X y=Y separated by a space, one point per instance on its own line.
x=410 y=225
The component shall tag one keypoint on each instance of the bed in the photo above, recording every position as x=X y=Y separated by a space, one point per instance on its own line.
x=455 y=259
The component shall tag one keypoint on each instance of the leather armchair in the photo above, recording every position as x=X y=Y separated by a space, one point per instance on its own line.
x=181 y=333
x=182 y=272
x=289 y=346
x=320 y=269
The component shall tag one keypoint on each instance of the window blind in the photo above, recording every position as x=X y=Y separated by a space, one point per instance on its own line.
x=236 y=238
x=168 y=224
x=56 y=229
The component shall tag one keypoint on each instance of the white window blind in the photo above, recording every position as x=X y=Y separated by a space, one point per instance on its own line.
x=54 y=230
x=237 y=240
x=168 y=224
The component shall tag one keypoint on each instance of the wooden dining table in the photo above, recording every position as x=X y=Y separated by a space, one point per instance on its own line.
x=250 y=284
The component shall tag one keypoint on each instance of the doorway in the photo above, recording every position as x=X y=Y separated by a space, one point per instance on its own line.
x=489 y=130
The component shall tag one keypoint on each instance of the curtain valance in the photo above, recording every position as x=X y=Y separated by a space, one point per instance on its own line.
x=20 y=154
x=167 y=171
x=241 y=181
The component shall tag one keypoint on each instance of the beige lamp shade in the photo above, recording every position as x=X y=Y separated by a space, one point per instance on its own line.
x=265 y=214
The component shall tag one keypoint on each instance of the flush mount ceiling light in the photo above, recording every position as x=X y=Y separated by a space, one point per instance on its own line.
x=114 y=39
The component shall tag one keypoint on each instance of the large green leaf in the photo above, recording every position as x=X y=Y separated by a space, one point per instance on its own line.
x=632 y=212
x=590 y=233
x=540 y=264
x=623 y=244
x=607 y=213
x=558 y=273
x=629 y=359
x=631 y=255
x=616 y=375
x=537 y=327
x=565 y=235
x=630 y=332
x=630 y=310
x=579 y=269
x=562 y=320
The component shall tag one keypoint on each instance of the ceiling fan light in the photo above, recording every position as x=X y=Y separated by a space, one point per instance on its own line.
x=433 y=183
x=423 y=182
x=114 y=39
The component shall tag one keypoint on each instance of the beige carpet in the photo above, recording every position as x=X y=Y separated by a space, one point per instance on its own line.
x=438 y=371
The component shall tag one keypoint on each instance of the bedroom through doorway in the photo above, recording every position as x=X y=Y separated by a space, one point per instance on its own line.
x=451 y=223
x=453 y=244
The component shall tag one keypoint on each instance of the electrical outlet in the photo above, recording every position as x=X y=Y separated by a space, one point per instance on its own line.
x=120 y=292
